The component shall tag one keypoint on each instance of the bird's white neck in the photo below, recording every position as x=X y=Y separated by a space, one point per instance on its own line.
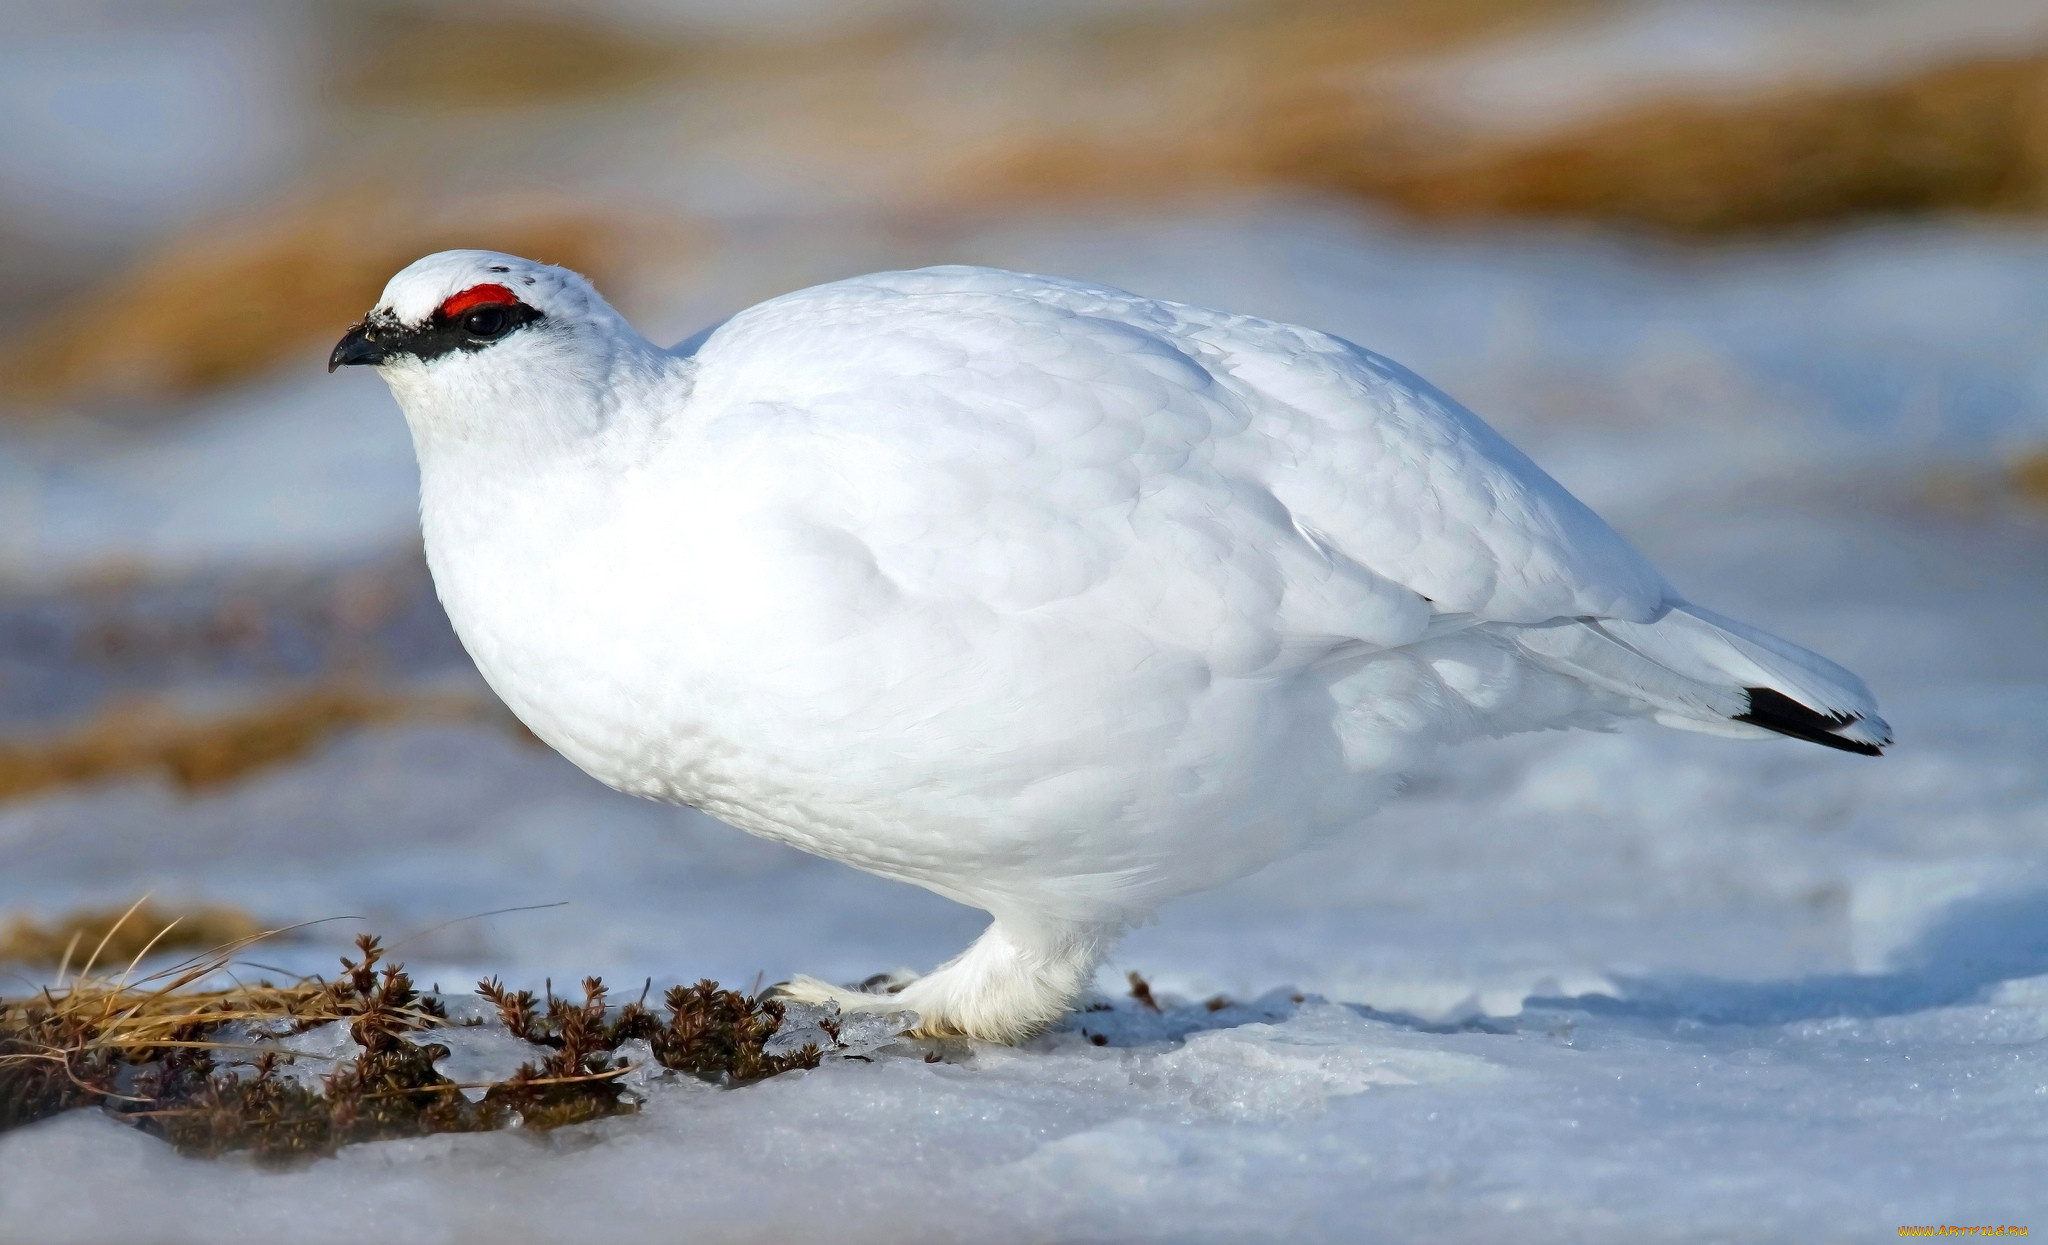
x=558 y=402
x=508 y=455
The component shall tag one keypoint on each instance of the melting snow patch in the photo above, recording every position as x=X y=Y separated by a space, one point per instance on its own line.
x=1262 y=1071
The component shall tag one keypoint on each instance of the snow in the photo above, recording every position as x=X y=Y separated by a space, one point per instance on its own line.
x=1317 y=1124
x=290 y=470
x=1575 y=987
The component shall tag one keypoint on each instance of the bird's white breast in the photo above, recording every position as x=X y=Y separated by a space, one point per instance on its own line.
x=1006 y=586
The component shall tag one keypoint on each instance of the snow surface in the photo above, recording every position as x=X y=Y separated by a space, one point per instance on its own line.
x=1576 y=987
x=291 y=470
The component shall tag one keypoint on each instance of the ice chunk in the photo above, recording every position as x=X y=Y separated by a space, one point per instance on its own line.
x=864 y=1033
x=803 y=1024
x=308 y=1058
x=859 y=1034
x=480 y=1053
x=638 y=1055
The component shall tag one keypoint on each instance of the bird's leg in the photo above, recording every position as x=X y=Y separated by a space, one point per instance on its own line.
x=1016 y=980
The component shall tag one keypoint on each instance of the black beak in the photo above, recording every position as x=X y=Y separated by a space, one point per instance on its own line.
x=354 y=348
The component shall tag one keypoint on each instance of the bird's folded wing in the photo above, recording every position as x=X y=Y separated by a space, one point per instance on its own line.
x=1201 y=464
x=1406 y=481
x=1387 y=469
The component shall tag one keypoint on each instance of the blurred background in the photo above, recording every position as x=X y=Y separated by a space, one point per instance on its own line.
x=1765 y=281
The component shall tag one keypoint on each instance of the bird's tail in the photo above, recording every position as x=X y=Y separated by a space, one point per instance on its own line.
x=1694 y=669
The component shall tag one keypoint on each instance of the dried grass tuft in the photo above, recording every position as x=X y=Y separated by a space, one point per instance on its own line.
x=197 y=753
x=152 y=1052
x=121 y=934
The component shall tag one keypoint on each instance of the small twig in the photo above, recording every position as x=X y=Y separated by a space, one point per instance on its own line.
x=475 y=916
x=512 y=1082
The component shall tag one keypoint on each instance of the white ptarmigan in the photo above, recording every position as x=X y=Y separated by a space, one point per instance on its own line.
x=1050 y=598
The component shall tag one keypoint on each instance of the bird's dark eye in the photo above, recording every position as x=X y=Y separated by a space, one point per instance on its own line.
x=486 y=322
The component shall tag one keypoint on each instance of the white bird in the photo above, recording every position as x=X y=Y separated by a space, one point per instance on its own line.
x=1053 y=599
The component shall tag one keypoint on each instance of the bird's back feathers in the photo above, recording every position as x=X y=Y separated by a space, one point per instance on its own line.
x=1370 y=459
x=1161 y=452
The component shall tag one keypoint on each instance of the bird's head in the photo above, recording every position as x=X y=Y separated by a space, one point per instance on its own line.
x=464 y=336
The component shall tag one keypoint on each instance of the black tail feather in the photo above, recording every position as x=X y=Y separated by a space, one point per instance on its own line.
x=1775 y=711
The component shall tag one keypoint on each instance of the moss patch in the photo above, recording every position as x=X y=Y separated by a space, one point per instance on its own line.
x=175 y=1060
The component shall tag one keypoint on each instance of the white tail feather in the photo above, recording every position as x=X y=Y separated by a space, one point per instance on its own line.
x=1699 y=670
x=1704 y=645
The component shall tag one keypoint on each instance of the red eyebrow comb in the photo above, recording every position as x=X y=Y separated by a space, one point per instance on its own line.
x=476 y=296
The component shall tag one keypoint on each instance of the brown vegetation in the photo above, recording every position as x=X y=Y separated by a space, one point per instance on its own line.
x=1141 y=990
x=1971 y=135
x=233 y=300
x=122 y=935
x=2027 y=476
x=1232 y=95
x=156 y=1053
x=1256 y=45
x=479 y=55
x=476 y=57
x=202 y=752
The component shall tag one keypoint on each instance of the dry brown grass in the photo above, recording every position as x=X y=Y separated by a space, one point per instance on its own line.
x=476 y=56
x=227 y=303
x=198 y=752
x=1274 y=110
x=1229 y=95
x=164 y=1052
x=2027 y=477
x=121 y=935
x=1977 y=491
x=1261 y=43
x=1970 y=136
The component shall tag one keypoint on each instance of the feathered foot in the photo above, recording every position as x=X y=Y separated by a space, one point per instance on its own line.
x=1015 y=981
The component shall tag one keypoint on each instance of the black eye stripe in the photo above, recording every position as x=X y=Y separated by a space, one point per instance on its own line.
x=443 y=334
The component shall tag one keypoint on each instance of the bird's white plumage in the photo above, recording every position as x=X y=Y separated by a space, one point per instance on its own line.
x=1057 y=600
